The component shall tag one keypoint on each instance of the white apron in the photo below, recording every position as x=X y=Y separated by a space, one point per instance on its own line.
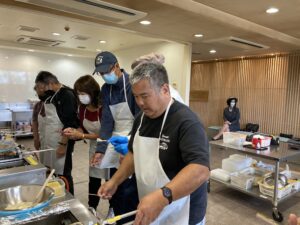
x=123 y=119
x=93 y=127
x=51 y=128
x=150 y=176
x=42 y=127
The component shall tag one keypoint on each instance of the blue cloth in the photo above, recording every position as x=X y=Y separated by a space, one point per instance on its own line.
x=116 y=96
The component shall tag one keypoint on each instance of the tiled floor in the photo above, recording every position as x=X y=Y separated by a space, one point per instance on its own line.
x=225 y=206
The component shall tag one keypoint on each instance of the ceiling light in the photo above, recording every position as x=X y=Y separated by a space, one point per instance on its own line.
x=272 y=10
x=98 y=50
x=212 y=51
x=30 y=50
x=56 y=34
x=70 y=55
x=198 y=35
x=102 y=42
x=145 y=22
x=6 y=57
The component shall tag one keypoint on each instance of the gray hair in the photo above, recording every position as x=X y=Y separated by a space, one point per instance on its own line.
x=155 y=73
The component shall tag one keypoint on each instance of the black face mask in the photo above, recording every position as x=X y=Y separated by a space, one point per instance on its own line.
x=43 y=97
x=49 y=93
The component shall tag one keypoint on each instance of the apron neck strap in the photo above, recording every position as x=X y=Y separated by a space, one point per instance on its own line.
x=124 y=88
x=55 y=93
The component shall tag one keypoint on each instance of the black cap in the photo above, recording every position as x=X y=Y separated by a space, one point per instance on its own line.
x=230 y=99
x=104 y=61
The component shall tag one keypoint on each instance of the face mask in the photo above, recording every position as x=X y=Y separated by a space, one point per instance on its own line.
x=84 y=99
x=49 y=93
x=42 y=97
x=232 y=104
x=110 y=78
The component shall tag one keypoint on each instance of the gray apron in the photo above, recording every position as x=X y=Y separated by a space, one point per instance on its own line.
x=123 y=119
x=50 y=129
x=93 y=127
x=150 y=176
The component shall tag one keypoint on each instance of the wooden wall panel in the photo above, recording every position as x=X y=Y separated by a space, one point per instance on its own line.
x=267 y=88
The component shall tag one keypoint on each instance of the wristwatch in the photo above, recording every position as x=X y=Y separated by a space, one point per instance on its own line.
x=167 y=193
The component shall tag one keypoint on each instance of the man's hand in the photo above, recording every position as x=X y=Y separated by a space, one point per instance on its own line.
x=61 y=151
x=107 y=190
x=293 y=220
x=150 y=207
x=96 y=159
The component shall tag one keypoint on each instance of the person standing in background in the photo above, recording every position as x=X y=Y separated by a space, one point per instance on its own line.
x=159 y=59
x=38 y=111
x=90 y=112
x=118 y=112
x=61 y=112
x=231 y=117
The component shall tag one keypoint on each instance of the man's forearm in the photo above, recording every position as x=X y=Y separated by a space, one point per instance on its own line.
x=188 y=180
x=125 y=170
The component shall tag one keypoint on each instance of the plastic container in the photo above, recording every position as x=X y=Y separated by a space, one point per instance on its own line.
x=58 y=185
x=220 y=174
x=269 y=190
x=234 y=138
x=242 y=180
x=234 y=165
x=259 y=141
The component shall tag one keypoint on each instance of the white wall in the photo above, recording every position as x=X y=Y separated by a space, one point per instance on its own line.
x=18 y=70
x=177 y=62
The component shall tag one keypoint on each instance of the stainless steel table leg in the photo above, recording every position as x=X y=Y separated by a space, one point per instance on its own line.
x=276 y=214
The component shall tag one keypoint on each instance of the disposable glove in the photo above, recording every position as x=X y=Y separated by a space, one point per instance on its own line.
x=116 y=140
x=122 y=148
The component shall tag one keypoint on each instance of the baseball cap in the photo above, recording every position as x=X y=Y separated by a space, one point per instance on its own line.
x=104 y=61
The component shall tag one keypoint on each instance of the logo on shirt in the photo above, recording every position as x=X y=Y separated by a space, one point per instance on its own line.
x=164 y=140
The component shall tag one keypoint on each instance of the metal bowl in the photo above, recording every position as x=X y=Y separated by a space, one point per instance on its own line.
x=270 y=180
x=22 y=194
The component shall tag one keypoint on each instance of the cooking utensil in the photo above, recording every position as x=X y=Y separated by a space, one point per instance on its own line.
x=43 y=187
x=21 y=194
x=37 y=151
x=119 y=217
x=94 y=195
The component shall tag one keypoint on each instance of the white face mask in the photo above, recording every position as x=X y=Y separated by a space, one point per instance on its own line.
x=84 y=99
x=232 y=104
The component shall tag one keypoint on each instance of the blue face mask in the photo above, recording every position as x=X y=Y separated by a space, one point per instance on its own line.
x=110 y=78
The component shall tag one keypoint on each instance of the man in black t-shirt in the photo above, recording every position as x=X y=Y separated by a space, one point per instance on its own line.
x=60 y=108
x=168 y=151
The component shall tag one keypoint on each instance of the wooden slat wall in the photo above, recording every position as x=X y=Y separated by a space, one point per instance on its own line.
x=267 y=88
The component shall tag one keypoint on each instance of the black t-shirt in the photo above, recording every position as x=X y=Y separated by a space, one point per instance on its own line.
x=65 y=102
x=183 y=141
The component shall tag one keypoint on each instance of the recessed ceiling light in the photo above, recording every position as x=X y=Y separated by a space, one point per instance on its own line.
x=198 y=35
x=6 y=57
x=70 y=55
x=98 y=50
x=145 y=22
x=56 y=34
x=212 y=51
x=272 y=10
x=30 y=50
x=102 y=42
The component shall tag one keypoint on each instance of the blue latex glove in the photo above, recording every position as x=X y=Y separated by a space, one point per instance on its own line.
x=122 y=148
x=116 y=140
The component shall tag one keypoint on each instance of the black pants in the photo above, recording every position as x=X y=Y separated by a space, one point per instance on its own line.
x=125 y=199
x=94 y=185
x=69 y=165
